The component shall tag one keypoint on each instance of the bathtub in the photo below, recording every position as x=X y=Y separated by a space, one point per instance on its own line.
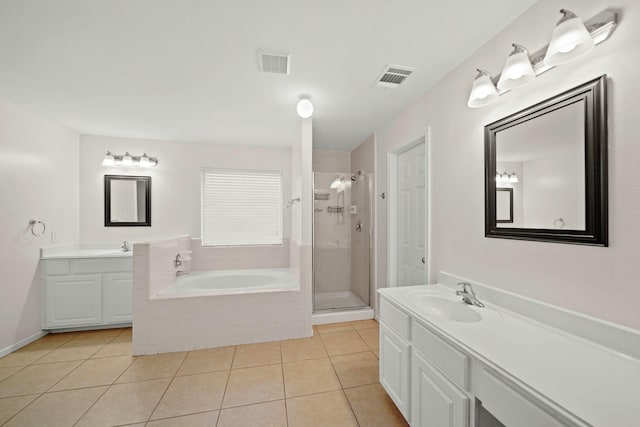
x=230 y=282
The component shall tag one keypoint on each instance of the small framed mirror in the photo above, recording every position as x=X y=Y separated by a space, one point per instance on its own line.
x=546 y=170
x=127 y=201
x=504 y=205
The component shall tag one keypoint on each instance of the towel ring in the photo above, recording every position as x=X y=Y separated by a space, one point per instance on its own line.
x=37 y=232
x=559 y=222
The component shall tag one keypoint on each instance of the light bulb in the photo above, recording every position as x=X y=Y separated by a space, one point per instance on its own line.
x=127 y=160
x=304 y=108
x=517 y=70
x=483 y=91
x=570 y=40
x=108 y=160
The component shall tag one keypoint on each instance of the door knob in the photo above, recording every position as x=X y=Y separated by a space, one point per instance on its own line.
x=423 y=260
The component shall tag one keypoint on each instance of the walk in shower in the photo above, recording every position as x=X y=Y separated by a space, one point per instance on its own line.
x=341 y=240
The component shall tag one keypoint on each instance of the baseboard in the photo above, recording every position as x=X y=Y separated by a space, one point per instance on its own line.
x=22 y=343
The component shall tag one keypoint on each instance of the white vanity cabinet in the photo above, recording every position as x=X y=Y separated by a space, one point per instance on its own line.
x=84 y=292
x=395 y=355
x=422 y=374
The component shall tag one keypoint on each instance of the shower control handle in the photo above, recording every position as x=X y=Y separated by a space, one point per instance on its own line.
x=359 y=226
x=423 y=260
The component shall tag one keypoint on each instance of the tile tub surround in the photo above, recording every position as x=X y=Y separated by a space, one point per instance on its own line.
x=284 y=383
x=185 y=324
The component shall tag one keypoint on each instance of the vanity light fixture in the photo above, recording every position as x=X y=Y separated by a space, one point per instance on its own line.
x=304 y=108
x=483 y=92
x=108 y=160
x=517 y=70
x=506 y=178
x=127 y=160
x=568 y=41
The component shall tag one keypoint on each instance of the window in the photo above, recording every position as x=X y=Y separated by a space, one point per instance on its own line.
x=241 y=207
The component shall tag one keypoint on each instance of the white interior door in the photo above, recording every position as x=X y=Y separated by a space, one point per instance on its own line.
x=411 y=217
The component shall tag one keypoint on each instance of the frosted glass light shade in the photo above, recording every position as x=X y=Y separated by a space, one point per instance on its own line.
x=145 y=162
x=513 y=178
x=517 y=70
x=483 y=91
x=127 y=160
x=304 y=108
x=108 y=160
x=570 y=40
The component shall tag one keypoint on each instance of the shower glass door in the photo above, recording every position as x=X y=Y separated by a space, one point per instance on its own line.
x=341 y=240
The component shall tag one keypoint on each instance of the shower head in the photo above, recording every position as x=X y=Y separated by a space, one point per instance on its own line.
x=356 y=175
x=353 y=178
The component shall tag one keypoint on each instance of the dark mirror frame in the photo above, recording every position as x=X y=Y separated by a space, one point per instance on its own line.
x=594 y=94
x=107 y=200
x=510 y=220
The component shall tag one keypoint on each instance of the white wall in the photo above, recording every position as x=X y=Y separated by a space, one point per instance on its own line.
x=175 y=183
x=593 y=280
x=38 y=180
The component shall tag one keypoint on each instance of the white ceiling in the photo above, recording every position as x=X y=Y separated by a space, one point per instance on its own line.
x=187 y=69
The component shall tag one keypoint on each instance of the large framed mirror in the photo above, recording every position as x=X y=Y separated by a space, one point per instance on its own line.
x=552 y=158
x=127 y=201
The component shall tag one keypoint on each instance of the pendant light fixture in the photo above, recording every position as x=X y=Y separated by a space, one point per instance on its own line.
x=570 y=39
x=483 y=91
x=517 y=70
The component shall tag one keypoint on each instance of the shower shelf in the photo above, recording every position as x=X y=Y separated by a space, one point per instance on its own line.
x=321 y=196
x=335 y=209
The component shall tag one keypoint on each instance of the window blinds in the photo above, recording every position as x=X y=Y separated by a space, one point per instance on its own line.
x=241 y=207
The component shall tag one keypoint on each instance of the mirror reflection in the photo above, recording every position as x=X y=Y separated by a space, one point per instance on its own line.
x=542 y=161
x=127 y=201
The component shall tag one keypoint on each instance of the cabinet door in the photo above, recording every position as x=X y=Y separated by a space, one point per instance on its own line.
x=74 y=300
x=435 y=401
x=117 y=295
x=395 y=359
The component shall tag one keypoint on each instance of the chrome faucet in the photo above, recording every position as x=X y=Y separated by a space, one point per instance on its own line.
x=468 y=295
x=126 y=246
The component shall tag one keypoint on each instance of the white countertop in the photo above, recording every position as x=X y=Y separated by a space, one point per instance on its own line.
x=598 y=385
x=86 y=250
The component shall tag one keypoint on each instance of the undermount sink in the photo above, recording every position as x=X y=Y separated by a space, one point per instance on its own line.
x=456 y=311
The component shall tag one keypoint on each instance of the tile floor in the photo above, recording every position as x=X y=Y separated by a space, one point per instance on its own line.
x=91 y=379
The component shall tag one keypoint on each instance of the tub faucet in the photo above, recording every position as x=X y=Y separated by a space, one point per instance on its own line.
x=178 y=261
x=468 y=295
x=126 y=246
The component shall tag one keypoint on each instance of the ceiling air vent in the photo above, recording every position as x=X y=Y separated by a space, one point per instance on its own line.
x=273 y=62
x=393 y=76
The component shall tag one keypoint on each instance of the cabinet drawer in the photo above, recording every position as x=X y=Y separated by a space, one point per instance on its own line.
x=452 y=362
x=83 y=266
x=55 y=267
x=510 y=407
x=395 y=319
